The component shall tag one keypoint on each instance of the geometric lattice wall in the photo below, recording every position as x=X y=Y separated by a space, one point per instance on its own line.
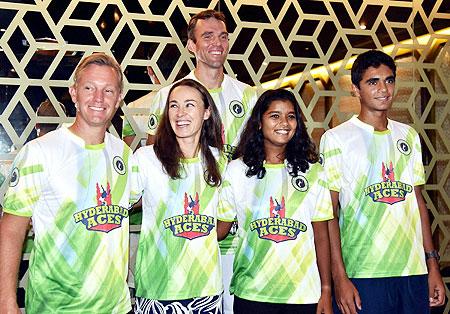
x=307 y=45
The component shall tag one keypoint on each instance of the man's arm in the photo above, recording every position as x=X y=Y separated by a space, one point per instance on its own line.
x=345 y=293
x=322 y=244
x=12 y=234
x=435 y=284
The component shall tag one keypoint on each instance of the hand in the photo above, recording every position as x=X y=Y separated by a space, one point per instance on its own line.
x=9 y=307
x=347 y=297
x=436 y=288
x=324 y=305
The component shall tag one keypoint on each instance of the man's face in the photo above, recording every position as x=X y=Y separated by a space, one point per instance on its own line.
x=376 y=89
x=211 y=45
x=97 y=96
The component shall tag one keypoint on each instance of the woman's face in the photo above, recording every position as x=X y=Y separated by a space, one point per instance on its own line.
x=278 y=124
x=187 y=112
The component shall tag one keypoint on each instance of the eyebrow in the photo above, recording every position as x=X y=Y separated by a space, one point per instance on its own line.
x=376 y=79
x=187 y=100
x=209 y=33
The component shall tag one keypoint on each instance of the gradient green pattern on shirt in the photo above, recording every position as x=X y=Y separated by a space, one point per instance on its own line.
x=170 y=267
x=264 y=270
x=378 y=239
x=72 y=269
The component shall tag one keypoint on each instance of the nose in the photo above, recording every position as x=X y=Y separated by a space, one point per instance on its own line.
x=181 y=111
x=382 y=86
x=98 y=95
x=284 y=120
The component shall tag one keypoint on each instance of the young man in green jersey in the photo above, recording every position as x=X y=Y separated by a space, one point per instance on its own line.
x=383 y=259
x=73 y=183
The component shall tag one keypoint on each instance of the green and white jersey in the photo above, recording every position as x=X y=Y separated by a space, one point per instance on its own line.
x=235 y=101
x=275 y=259
x=178 y=252
x=139 y=110
x=375 y=174
x=78 y=198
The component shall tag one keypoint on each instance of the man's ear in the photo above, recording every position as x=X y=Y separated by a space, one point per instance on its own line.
x=191 y=46
x=355 y=91
x=73 y=93
x=119 y=100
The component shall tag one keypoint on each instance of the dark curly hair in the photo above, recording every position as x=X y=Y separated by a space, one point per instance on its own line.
x=166 y=145
x=300 y=150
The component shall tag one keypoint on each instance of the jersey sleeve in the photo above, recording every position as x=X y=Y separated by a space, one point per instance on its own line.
x=418 y=170
x=26 y=182
x=156 y=111
x=323 y=209
x=137 y=183
x=331 y=155
x=227 y=204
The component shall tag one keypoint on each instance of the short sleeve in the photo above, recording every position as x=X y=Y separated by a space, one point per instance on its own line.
x=26 y=182
x=137 y=184
x=227 y=205
x=323 y=209
x=331 y=156
x=419 y=172
x=156 y=111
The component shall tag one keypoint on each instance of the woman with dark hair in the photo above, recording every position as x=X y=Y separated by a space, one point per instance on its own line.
x=177 y=264
x=277 y=189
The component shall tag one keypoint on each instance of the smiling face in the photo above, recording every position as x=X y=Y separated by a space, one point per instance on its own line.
x=376 y=89
x=187 y=112
x=96 y=95
x=211 y=43
x=278 y=124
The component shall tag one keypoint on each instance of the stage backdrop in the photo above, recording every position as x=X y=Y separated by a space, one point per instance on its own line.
x=305 y=45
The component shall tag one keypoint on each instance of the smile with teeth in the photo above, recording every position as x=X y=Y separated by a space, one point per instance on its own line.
x=97 y=108
x=216 y=52
x=182 y=123
x=282 y=132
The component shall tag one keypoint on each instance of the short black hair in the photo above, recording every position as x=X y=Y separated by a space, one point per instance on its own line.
x=203 y=15
x=371 y=58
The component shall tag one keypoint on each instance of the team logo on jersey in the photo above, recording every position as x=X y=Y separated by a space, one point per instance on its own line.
x=237 y=109
x=300 y=183
x=152 y=122
x=277 y=228
x=388 y=191
x=14 y=177
x=104 y=217
x=191 y=224
x=119 y=165
x=403 y=147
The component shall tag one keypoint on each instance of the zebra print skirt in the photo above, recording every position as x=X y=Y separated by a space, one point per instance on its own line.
x=201 y=305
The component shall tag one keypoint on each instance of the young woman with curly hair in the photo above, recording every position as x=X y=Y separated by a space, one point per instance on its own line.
x=277 y=189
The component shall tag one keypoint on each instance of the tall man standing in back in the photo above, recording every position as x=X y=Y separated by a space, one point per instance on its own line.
x=73 y=182
x=208 y=41
x=387 y=263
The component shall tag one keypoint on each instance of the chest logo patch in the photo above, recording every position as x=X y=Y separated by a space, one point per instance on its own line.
x=152 y=122
x=403 y=147
x=389 y=190
x=104 y=217
x=277 y=227
x=191 y=224
x=237 y=109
